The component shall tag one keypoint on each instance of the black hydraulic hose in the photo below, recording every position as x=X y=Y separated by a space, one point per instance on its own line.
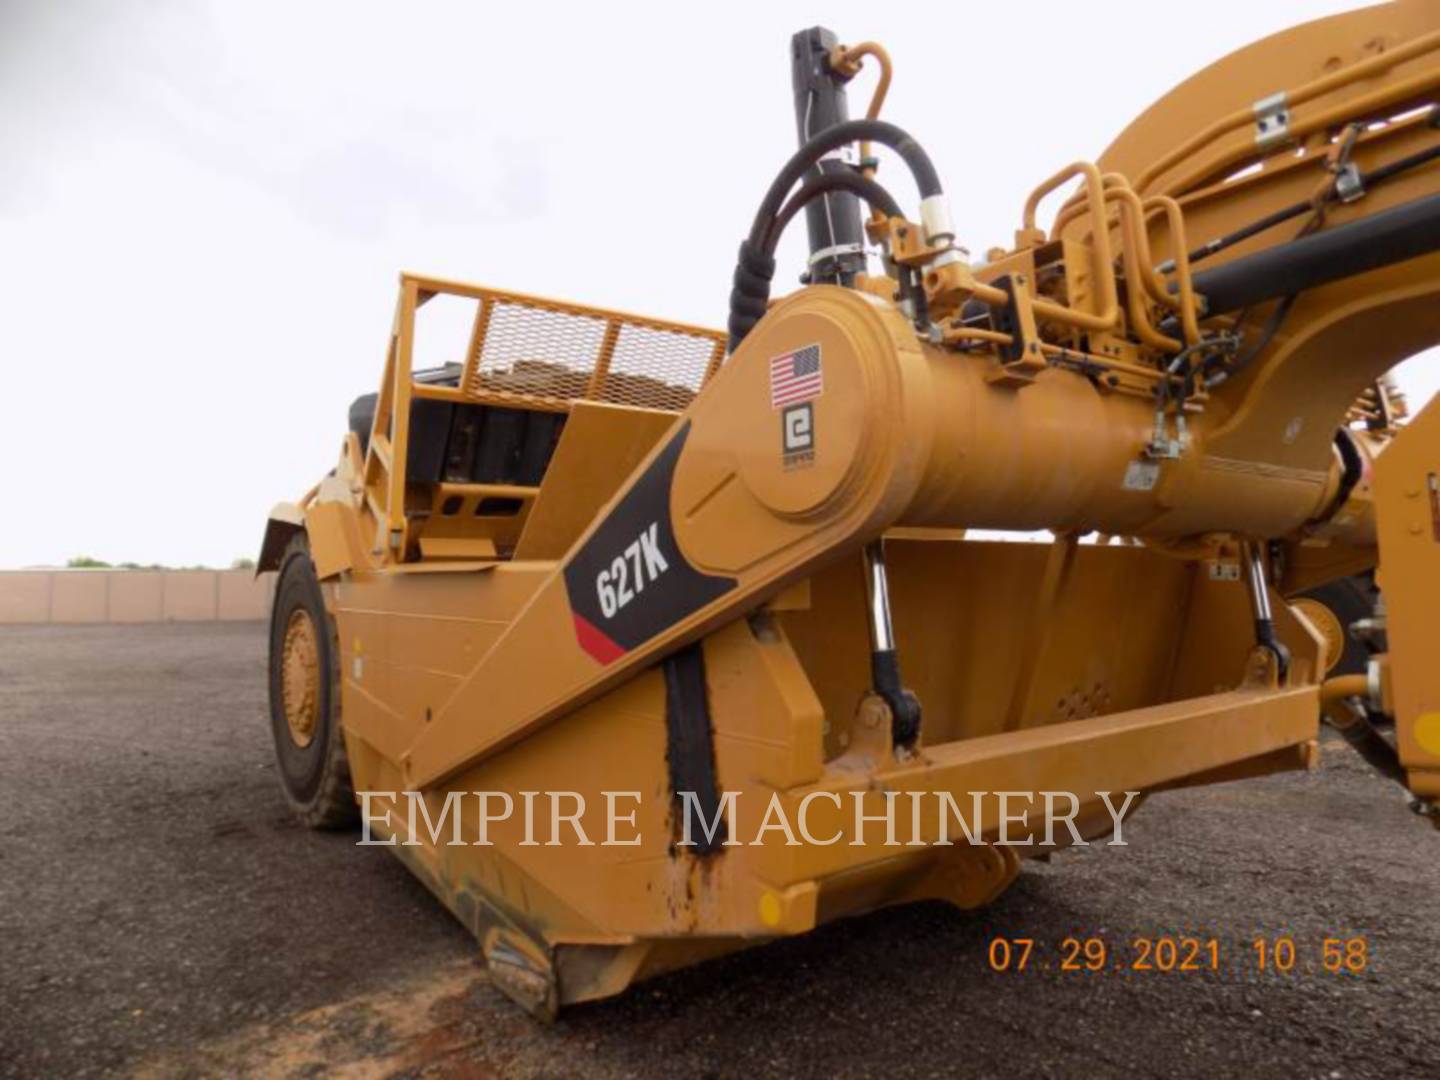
x=754 y=265
x=1267 y=335
x=1272 y=326
x=1279 y=217
x=749 y=290
x=823 y=183
x=820 y=184
x=832 y=138
x=1410 y=161
x=1390 y=236
x=1269 y=221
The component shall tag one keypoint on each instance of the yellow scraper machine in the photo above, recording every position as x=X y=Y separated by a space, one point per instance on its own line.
x=678 y=577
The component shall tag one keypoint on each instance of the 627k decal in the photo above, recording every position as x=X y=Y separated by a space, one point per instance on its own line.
x=629 y=582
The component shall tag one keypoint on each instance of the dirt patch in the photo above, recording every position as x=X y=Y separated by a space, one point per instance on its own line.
x=420 y=1023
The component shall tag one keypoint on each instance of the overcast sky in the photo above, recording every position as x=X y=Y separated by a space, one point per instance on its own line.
x=204 y=206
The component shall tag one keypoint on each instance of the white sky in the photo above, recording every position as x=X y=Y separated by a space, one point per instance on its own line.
x=203 y=207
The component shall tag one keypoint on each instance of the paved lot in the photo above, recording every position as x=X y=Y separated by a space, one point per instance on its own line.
x=161 y=915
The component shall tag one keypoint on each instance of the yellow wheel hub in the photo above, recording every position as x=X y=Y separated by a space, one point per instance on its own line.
x=300 y=677
x=1324 y=620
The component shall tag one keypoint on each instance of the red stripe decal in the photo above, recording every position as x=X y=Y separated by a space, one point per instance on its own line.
x=594 y=641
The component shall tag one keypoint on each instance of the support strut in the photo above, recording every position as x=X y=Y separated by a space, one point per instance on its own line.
x=1259 y=589
x=884 y=661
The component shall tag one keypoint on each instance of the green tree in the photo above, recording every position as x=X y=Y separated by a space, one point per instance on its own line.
x=85 y=562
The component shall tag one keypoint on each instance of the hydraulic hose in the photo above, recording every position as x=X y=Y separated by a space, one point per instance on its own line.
x=817 y=186
x=1367 y=180
x=821 y=183
x=832 y=138
x=1382 y=239
x=755 y=267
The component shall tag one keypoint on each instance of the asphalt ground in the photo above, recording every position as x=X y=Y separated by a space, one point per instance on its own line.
x=161 y=915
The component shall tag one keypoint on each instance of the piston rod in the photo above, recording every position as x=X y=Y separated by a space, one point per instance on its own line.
x=1259 y=589
x=884 y=661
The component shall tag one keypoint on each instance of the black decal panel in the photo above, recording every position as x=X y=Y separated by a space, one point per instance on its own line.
x=629 y=582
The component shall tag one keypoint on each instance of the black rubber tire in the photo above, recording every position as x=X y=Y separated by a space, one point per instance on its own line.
x=315 y=778
x=1349 y=599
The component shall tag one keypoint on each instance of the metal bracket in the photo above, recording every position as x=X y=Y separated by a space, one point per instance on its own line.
x=1021 y=360
x=834 y=251
x=1272 y=120
x=1348 y=184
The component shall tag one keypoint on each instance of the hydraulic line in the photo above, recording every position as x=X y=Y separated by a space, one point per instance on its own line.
x=819 y=184
x=1350 y=249
x=1279 y=217
x=1267 y=335
x=804 y=159
x=754 y=268
x=1379 y=63
x=847 y=62
x=1390 y=236
x=1239 y=363
x=1338 y=704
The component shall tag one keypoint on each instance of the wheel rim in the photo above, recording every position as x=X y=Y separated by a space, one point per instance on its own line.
x=1331 y=632
x=300 y=677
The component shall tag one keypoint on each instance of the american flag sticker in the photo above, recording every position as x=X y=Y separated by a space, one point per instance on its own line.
x=795 y=377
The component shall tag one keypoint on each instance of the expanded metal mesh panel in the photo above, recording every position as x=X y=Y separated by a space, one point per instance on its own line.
x=563 y=353
x=529 y=350
x=656 y=369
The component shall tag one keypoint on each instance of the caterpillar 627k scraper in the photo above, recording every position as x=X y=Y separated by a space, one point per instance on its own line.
x=606 y=576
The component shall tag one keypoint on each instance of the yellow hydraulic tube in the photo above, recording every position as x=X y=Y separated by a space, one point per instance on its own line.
x=1109 y=315
x=1175 y=219
x=1334 y=693
x=1365 y=69
x=1138 y=264
x=847 y=59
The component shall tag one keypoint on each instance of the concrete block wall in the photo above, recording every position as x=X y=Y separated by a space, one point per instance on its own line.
x=133 y=596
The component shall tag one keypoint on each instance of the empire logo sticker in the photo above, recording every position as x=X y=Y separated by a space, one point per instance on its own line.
x=797 y=429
